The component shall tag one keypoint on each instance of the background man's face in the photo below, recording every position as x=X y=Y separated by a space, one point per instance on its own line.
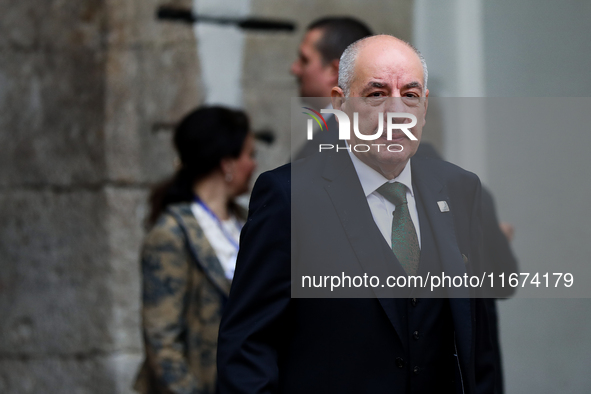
x=315 y=79
x=388 y=77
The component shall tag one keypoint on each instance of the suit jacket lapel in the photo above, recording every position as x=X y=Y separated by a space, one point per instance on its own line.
x=200 y=248
x=430 y=190
x=429 y=260
x=371 y=250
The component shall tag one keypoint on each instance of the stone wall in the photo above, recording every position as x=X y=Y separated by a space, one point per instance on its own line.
x=87 y=91
x=84 y=86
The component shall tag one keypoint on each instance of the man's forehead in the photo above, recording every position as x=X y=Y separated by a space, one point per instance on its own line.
x=389 y=78
x=380 y=63
x=383 y=43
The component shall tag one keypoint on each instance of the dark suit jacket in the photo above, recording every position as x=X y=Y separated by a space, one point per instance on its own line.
x=271 y=343
x=328 y=136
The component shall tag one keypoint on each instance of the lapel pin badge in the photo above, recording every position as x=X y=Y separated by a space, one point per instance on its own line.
x=443 y=207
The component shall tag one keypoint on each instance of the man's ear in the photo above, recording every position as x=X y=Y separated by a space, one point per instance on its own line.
x=338 y=97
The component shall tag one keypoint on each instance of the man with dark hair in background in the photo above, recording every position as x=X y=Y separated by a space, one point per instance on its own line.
x=317 y=67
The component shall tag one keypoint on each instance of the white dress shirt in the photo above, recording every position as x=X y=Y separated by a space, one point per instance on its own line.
x=382 y=209
x=225 y=250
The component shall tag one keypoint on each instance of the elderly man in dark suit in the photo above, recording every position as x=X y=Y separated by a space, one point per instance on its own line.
x=316 y=70
x=329 y=209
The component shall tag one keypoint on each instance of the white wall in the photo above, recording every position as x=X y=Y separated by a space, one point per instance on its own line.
x=538 y=173
x=221 y=50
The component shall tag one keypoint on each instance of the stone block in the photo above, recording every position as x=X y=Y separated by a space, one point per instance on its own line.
x=133 y=23
x=51 y=117
x=270 y=109
x=71 y=24
x=55 y=295
x=148 y=91
x=18 y=28
x=52 y=25
x=70 y=290
x=83 y=374
x=124 y=368
x=126 y=211
x=122 y=114
x=171 y=88
x=268 y=58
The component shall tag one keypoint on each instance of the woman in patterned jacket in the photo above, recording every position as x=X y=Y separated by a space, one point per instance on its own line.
x=189 y=254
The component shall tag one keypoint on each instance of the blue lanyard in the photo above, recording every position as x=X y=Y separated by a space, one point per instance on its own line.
x=219 y=222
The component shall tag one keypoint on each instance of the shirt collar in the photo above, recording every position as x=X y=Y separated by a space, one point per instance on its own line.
x=371 y=180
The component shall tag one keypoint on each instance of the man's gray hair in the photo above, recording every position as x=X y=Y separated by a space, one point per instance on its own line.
x=347 y=64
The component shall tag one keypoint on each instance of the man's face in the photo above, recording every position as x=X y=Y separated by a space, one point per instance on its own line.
x=388 y=77
x=315 y=79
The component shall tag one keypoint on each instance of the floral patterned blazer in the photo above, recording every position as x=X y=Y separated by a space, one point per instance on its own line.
x=184 y=290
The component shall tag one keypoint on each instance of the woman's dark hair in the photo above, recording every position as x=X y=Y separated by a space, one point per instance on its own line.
x=202 y=139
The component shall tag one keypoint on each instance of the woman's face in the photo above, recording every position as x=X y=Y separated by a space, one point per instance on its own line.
x=242 y=167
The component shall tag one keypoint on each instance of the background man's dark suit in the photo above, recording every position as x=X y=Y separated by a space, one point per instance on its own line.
x=271 y=343
x=328 y=136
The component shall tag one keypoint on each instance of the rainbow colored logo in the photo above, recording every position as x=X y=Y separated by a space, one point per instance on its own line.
x=316 y=117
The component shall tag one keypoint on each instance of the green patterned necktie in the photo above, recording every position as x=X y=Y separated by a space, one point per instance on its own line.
x=405 y=244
